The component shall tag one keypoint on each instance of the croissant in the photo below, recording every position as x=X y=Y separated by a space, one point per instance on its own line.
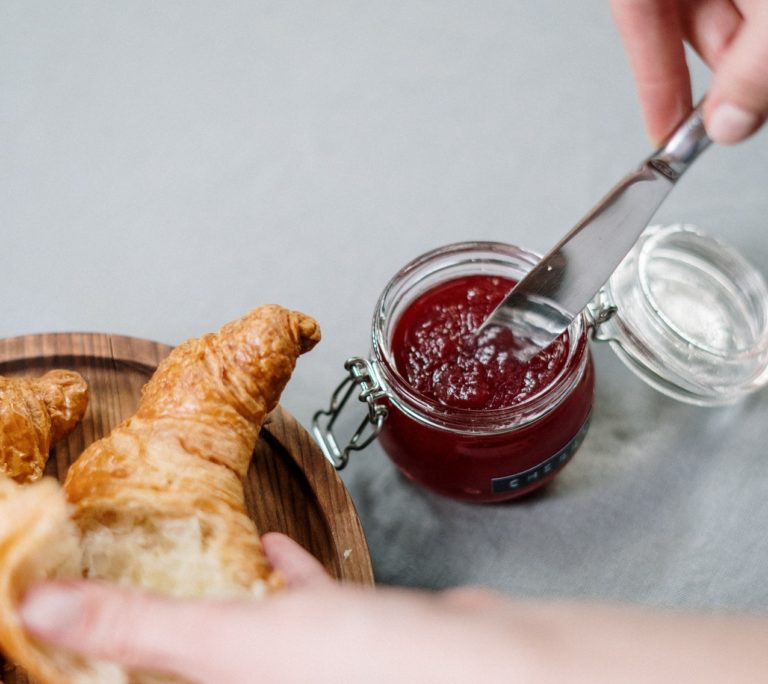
x=159 y=502
x=35 y=413
x=38 y=540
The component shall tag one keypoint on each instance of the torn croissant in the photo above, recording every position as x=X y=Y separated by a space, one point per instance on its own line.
x=159 y=502
x=38 y=540
x=170 y=478
x=35 y=413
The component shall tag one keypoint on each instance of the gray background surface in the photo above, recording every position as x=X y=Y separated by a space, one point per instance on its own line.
x=164 y=167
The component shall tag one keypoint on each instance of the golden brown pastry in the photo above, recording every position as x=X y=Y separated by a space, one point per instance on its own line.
x=35 y=413
x=159 y=502
x=177 y=466
x=38 y=540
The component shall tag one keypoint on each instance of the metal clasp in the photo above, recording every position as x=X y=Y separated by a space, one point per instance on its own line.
x=599 y=312
x=362 y=374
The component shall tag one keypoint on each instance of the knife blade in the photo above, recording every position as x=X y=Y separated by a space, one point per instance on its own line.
x=541 y=306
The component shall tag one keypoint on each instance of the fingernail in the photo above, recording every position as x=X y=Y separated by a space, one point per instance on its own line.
x=49 y=610
x=730 y=124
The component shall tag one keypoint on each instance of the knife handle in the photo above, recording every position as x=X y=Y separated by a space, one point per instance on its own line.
x=680 y=150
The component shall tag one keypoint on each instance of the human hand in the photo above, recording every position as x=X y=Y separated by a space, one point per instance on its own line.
x=731 y=36
x=316 y=630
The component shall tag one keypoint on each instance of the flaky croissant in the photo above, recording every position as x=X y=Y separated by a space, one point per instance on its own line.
x=35 y=413
x=180 y=461
x=38 y=540
x=159 y=502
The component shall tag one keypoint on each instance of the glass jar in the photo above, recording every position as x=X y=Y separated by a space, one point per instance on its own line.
x=684 y=311
x=479 y=455
x=691 y=316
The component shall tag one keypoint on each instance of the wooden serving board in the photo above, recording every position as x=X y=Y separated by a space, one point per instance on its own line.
x=290 y=488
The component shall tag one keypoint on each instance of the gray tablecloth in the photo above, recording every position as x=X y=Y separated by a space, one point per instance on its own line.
x=166 y=166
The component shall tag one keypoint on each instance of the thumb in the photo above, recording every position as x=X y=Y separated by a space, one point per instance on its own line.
x=737 y=103
x=300 y=568
x=140 y=630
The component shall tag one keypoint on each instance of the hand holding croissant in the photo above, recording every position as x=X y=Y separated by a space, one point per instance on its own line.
x=159 y=502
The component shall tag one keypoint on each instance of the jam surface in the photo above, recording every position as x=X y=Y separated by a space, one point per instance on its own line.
x=436 y=350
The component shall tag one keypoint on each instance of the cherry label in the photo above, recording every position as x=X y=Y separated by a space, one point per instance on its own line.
x=510 y=483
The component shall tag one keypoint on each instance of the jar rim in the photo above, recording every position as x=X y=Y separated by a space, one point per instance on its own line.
x=433 y=266
x=692 y=316
x=654 y=239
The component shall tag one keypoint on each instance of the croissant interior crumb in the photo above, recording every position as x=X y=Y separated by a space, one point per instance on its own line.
x=53 y=540
x=169 y=555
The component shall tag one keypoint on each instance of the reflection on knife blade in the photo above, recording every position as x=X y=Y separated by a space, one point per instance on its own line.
x=545 y=302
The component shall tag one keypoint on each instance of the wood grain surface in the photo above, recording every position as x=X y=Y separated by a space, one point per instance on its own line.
x=290 y=486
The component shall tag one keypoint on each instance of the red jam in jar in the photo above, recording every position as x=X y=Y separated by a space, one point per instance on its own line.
x=438 y=352
x=466 y=419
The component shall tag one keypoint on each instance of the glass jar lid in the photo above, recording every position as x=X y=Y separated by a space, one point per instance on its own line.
x=689 y=315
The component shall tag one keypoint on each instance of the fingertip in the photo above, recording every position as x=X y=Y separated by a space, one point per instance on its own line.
x=728 y=123
x=50 y=609
x=298 y=565
x=654 y=138
x=664 y=115
x=737 y=103
x=278 y=545
x=269 y=538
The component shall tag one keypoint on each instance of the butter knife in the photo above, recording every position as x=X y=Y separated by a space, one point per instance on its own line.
x=545 y=302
